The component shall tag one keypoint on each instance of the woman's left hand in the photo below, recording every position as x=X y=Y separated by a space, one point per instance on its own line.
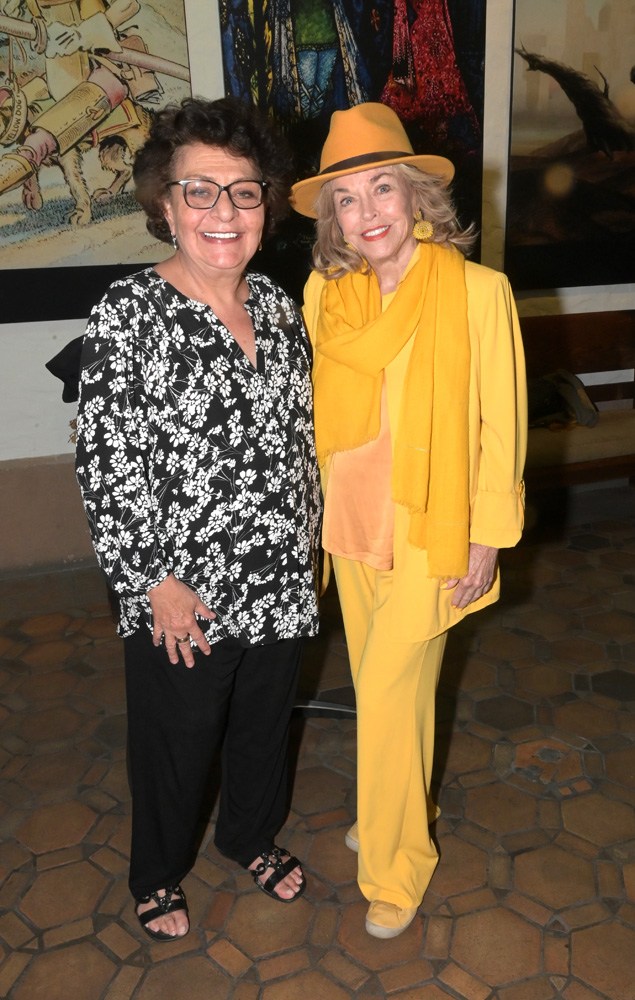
x=174 y=609
x=478 y=579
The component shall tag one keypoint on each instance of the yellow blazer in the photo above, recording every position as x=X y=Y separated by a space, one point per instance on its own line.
x=497 y=447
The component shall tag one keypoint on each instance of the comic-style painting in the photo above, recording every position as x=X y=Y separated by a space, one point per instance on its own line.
x=79 y=83
x=303 y=59
x=571 y=190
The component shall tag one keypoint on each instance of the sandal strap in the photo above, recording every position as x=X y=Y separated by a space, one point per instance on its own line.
x=281 y=870
x=164 y=904
x=270 y=859
x=274 y=859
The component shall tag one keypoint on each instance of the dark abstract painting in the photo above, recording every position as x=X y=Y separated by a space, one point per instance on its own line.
x=571 y=190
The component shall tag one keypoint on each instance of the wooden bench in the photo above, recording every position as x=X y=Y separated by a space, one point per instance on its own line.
x=584 y=343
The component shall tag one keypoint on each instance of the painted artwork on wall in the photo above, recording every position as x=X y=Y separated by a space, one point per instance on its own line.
x=571 y=190
x=78 y=86
x=303 y=59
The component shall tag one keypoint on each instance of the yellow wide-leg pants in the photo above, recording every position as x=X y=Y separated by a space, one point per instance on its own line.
x=395 y=686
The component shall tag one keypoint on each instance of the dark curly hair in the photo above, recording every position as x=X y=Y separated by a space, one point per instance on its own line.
x=228 y=123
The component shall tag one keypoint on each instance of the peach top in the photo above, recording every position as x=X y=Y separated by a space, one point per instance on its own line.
x=359 y=511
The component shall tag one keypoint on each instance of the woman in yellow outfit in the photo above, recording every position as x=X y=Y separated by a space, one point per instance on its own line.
x=420 y=414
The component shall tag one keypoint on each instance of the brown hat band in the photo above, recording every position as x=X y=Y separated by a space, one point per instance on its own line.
x=359 y=161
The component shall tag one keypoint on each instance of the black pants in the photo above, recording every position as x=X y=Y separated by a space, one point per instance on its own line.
x=177 y=718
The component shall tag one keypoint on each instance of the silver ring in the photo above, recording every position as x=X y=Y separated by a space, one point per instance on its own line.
x=186 y=639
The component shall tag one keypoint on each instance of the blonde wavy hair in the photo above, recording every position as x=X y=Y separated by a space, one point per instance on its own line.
x=332 y=258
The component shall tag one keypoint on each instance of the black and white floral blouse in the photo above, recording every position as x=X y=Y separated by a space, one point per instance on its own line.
x=191 y=461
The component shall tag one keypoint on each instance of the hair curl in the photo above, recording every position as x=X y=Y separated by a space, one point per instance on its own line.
x=228 y=123
x=430 y=195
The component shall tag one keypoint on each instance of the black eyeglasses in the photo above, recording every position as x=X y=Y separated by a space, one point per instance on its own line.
x=204 y=194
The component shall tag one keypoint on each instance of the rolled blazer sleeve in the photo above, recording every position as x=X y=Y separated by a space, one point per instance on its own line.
x=498 y=410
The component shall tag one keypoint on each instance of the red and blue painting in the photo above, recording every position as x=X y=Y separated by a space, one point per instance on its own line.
x=301 y=60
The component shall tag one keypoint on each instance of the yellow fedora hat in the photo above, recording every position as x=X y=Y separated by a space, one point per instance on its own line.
x=360 y=138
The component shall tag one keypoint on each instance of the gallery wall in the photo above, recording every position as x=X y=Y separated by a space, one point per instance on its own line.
x=34 y=422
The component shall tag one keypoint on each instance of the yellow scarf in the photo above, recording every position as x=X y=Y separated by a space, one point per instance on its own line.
x=355 y=342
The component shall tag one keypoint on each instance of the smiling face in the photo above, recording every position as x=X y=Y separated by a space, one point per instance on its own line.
x=374 y=211
x=223 y=238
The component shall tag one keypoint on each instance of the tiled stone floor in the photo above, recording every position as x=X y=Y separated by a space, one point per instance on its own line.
x=534 y=895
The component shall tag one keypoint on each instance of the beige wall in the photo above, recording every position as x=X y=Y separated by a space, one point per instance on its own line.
x=43 y=522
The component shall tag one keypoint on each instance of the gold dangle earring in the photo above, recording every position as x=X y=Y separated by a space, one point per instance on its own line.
x=349 y=246
x=423 y=229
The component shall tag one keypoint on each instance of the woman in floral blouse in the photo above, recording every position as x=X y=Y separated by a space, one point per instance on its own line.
x=196 y=462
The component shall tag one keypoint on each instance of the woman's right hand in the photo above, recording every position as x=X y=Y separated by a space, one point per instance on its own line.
x=174 y=607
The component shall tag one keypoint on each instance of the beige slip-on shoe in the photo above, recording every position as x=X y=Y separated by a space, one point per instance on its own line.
x=387 y=920
x=352 y=838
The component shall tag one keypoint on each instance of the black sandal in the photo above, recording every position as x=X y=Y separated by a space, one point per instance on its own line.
x=273 y=859
x=165 y=904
